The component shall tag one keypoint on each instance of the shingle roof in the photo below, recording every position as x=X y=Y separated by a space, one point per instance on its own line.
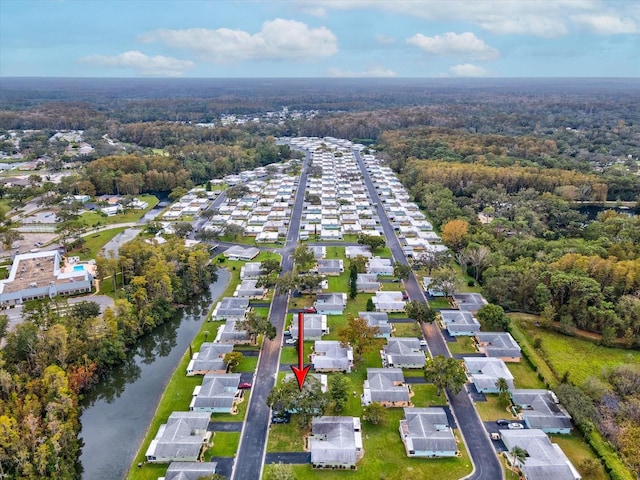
x=426 y=429
x=333 y=441
x=385 y=385
x=218 y=390
x=498 y=344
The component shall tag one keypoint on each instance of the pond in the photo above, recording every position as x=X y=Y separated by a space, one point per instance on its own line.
x=118 y=411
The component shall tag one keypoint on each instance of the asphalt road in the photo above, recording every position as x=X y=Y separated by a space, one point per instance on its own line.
x=253 y=440
x=481 y=450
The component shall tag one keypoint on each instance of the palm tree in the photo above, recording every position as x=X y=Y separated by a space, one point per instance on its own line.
x=518 y=455
x=503 y=391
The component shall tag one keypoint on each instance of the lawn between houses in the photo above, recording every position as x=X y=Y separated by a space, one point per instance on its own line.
x=178 y=393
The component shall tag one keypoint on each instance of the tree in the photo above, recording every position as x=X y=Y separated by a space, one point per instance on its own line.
x=182 y=229
x=478 y=258
x=431 y=259
x=177 y=193
x=401 y=271
x=493 y=317
x=454 y=234
x=370 y=305
x=339 y=389
x=420 y=311
x=373 y=413
x=359 y=335
x=307 y=282
x=303 y=258
x=518 y=455
x=443 y=280
x=285 y=282
x=353 y=281
x=232 y=359
x=307 y=402
x=374 y=242
x=445 y=373
x=503 y=392
x=237 y=191
x=256 y=325
x=269 y=266
x=360 y=262
x=233 y=231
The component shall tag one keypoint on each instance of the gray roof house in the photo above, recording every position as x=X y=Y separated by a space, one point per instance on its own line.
x=545 y=460
x=541 y=409
x=403 y=352
x=353 y=251
x=368 y=282
x=181 y=439
x=237 y=252
x=485 y=372
x=318 y=252
x=330 y=356
x=386 y=386
x=189 y=470
x=335 y=442
x=250 y=271
x=330 y=303
x=380 y=320
x=218 y=393
x=210 y=359
x=425 y=432
x=499 y=345
x=231 y=332
x=315 y=326
x=459 y=322
x=330 y=266
x=230 y=308
x=249 y=289
x=389 y=302
x=380 y=266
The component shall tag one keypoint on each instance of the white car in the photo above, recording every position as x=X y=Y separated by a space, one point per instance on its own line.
x=290 y=341
x=423 y=343
x=515 y=426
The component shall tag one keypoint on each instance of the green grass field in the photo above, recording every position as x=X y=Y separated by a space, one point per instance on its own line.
x=225 y=444
x=94 y=218
x=94 y=242
x=462 y=345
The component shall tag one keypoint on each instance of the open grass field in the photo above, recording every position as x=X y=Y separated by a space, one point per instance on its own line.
x=491 y=410
x=94 y=242
x=581 y=358
x=462 y=345
x=406 y=329
x=574 y=447
x=524 y=376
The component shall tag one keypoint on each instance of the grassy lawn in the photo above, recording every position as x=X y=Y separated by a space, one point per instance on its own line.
x=285 y=437
x=225 y=444
x=247 y=364
x=580 y=358
x=425 y=395
x=233 y=417
x=491 y=410
x=93 y=243
x=524 y=376
x=578 y=451
x=94 y=218
x=462 y=345
x=406 y=329
x=289 y=354
x=439 y=302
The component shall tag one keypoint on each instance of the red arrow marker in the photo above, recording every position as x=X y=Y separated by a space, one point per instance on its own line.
x=300 y=371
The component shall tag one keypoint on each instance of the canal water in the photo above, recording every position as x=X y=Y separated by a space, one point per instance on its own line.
x=117 y=412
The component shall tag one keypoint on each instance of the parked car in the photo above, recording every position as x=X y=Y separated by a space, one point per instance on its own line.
x=423 y=343
x=503 y=422
x=244 y=385
x=310 y=310
x=281 y=417
x=290 y=341
x=405 y=296
x=515 y=426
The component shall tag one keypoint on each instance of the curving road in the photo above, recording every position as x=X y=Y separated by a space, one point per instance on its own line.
x=481 y=450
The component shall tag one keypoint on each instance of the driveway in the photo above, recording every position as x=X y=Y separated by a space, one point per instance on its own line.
x=294 y=458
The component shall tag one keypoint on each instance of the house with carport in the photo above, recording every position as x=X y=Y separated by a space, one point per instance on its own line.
x=181 y=439
x=218 y=393
x=459 y=322
x=542 y=409
x=330 y=303
x=499 y=345
x=210 y=359
x=486 y=371
x=389 y=302
x=315 y=326
x=387 y=387
x=335 y=442
x=425 y=432
x=403 y=352
x=380 y=320
x=331 y=356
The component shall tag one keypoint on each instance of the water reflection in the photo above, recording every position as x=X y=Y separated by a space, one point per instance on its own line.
x=118 y=411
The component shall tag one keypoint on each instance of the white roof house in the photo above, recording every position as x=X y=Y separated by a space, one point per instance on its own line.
x=425 y=432
x=331 y=356
x=485 y=372
x=389 y=302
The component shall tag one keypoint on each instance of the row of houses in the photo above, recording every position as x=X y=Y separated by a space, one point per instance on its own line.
x=190 y=205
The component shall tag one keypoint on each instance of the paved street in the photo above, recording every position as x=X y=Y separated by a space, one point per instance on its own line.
x=478 y=442
x=253 y=440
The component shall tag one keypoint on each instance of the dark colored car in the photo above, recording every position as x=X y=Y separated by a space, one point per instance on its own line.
x=244 y=385
x=405 y=296
x=503 y=422
x=281 y=417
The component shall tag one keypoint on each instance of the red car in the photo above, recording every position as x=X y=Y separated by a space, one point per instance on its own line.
x=310 y=310
x=244 y=385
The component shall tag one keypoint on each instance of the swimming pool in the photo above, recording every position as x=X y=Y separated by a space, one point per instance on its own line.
x=78 y=268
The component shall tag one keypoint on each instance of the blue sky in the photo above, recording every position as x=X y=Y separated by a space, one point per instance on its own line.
x=320 y=38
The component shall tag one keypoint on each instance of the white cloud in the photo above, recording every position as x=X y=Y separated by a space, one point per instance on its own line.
x=143 y=64
x=385 y=40
x=465 y=45
x=606 y=24
x=370 y=72
x=543 y=18
x=279 y=39
x=468 y=70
